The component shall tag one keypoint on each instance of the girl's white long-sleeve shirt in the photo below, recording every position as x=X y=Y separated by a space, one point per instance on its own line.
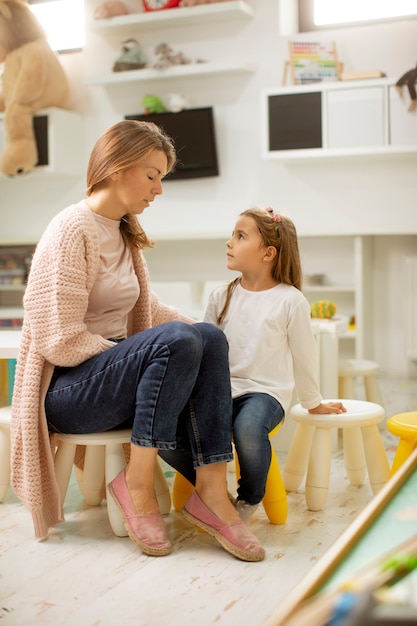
x=272 y=347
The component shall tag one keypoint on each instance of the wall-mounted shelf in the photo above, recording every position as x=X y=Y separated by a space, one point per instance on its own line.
x=178 y=71
x=186 y=16
x=331 y=120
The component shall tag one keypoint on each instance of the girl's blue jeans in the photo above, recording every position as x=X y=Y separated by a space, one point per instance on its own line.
x=255 y=415
x=170 y=384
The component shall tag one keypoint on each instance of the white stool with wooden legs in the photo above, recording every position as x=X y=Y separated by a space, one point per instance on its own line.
x=310 y=449
x=104 y=459
x=5 y=416
x=349 y=369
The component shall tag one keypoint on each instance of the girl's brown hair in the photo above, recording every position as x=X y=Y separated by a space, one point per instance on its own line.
x=120 y=147
x=279 y=231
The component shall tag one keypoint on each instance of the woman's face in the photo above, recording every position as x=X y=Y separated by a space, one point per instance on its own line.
x=136 y=187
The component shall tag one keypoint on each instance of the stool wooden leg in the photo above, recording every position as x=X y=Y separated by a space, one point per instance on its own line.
x=64 y=460
x=372 y=390
x=181 y=491
x=318 y=472
x=404 y=449
x=346 y=387
x=275 y=499
x=354 y=455
x=115 y=462
x=297 y=459
x=93 y=475
x=4 y=461
x=162 y=490
x=376 y=458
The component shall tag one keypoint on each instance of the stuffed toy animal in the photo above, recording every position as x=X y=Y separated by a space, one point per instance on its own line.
x=110 y=9
x=32 y=79
x=409 y=79
x=132 y=57
x=152 y=104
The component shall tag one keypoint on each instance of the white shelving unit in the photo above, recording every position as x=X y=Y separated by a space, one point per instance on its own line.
x=345 y=264
x=347 y=119
x=136 y=24
x=178 y=71
x=181 y=16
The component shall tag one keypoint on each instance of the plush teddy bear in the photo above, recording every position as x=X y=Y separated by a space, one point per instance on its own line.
x=110 y=9
x=32 y=79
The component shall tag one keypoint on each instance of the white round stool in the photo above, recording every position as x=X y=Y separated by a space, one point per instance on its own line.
x=104 y=459
x=5 y=416
x=348 y=369
x=310 y=449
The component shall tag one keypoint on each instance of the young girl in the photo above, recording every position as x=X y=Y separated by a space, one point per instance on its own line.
x=266 y=320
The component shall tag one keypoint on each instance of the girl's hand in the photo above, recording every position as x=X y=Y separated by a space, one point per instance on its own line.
x=328 y=407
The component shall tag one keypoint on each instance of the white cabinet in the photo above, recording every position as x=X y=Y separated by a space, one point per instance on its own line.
x=59 y=139
x=344 y=265
x=337 y=119
x=137 y=25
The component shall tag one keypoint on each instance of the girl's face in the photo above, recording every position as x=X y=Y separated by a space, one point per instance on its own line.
x=245 y=250
x=135 y=188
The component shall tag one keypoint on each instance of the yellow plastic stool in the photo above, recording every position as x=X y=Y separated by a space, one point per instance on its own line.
x=404 y=426
x=274 y=501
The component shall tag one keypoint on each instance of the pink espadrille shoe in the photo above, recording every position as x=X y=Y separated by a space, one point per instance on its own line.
x=235 y=538
x=147 y=531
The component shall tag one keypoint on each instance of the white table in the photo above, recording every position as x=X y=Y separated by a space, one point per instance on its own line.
x=9 y=343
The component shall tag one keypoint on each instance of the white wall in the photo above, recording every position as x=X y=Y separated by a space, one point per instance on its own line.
x=349 y=197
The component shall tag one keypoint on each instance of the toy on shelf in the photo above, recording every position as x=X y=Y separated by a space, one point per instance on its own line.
x=152 y=104
x=159 y=5
x=177 y=102
x=110 y=9
x=323 y=309
x=166 y=57
x=32 y=79
x=132 y=57
x=409 y=79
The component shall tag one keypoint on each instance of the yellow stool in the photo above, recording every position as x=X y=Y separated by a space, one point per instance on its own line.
x=274 y=501
x=404 y=426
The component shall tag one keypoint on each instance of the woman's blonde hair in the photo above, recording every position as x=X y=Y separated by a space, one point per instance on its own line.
x=279 y=231
x=120 y=147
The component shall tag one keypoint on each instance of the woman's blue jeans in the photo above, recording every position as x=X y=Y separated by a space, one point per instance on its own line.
x=254 y=416
x=170 y=384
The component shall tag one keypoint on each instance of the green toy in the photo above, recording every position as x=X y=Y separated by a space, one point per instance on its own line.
x=152 y=104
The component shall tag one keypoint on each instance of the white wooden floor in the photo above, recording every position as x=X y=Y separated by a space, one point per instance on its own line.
x=84 y=575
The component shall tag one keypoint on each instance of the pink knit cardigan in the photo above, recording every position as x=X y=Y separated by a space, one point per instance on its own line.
x=65 y=265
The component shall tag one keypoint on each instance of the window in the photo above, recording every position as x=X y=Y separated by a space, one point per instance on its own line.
x=63 y=21
x=321 y=14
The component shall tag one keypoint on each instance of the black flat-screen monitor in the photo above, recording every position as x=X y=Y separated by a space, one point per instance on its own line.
x=193 y=133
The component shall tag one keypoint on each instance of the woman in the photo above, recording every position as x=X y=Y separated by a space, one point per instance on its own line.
x=99 y=352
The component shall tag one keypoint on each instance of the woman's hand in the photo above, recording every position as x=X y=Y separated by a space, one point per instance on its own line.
x=328 y=407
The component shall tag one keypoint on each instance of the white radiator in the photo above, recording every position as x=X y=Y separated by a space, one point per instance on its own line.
x=411 y=307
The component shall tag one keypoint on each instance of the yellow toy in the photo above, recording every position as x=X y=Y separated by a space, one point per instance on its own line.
x=32 y=79
x=324 y=309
